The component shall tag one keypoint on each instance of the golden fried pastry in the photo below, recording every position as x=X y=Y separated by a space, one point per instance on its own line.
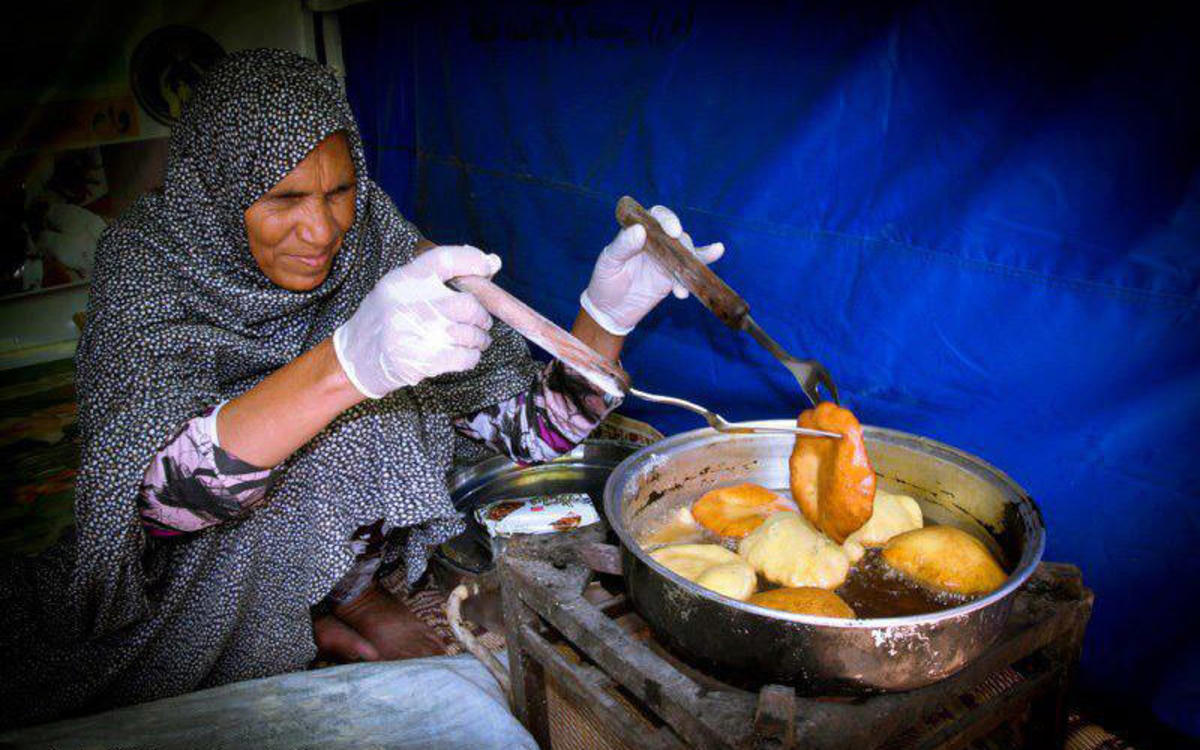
x=711 y=566
x=832 y=479
x=946 y=559
x=679 y=527
x=690 y=560
x=805 y=600
x=788 y=550
x=736 y=511
x=733 y=579
x=892 y=515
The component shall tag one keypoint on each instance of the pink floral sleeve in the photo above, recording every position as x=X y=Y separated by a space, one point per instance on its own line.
x=551 y=418
x=194 y=483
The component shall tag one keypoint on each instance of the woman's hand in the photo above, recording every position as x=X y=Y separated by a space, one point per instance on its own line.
x=412 y=326
x=627 y=283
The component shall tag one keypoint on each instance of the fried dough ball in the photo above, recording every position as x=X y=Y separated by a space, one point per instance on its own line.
x=733 y=579
x=946 y=559
x=832 y=479
x=788 y=550
x=679 y=527
x=736 y=511
x=690 y=560
x=805 y=600
x=892 y=515
x=711 y=566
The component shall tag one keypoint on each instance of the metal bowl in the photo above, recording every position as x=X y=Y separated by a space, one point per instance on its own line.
x=583 y=469
x=819 y=654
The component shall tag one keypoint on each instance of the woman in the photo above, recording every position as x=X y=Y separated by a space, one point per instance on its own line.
x=273 y=383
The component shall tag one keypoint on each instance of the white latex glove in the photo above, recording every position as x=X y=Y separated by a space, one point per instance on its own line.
x=627 y=283
x=412 y=326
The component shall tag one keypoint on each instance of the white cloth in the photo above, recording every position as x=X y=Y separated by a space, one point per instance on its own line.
x=437 y=703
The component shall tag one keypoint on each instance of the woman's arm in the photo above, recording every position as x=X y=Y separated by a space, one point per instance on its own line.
x=267 y=423
x=587 y=330
x=554 y=414
x=384 y=346
x=560 y=409
x=193 y=483
x=219 y=466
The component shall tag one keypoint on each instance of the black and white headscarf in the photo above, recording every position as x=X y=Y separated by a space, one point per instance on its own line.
x=180 y=318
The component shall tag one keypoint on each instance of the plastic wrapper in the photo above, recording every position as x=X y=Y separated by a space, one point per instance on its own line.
x=542 y=514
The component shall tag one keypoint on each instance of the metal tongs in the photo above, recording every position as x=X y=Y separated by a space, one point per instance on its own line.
x=719 y=298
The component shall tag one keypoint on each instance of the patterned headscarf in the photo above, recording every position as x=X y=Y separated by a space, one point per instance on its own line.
x=181 y=318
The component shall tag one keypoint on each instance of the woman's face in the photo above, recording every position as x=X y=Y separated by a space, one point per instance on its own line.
x=296 y=228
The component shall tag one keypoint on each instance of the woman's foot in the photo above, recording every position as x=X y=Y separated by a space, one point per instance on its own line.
x=391 y=627
x=337 y=641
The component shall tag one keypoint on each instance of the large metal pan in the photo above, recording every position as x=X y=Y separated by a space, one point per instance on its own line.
x=817 y=654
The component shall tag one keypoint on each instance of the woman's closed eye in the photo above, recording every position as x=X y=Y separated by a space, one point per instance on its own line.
x=286 y=200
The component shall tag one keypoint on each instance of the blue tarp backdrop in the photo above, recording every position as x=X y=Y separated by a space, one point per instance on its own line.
x=984 y=219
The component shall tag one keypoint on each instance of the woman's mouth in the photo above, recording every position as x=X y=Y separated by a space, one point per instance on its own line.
x=313 y=261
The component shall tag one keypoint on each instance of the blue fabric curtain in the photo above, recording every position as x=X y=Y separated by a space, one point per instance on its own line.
x=983 y=218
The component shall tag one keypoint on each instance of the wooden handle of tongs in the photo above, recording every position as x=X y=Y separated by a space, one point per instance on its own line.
x=699 y=279
x=594 y=367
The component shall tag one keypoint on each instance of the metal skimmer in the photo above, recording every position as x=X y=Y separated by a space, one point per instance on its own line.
x=720 y=424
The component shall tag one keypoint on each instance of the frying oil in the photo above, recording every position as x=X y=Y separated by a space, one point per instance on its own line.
x=874 y=589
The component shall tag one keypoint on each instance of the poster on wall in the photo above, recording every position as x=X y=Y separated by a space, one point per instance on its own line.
x=70 y=165
x=166 y=66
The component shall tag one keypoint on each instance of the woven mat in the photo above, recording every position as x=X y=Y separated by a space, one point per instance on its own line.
x=429 y=604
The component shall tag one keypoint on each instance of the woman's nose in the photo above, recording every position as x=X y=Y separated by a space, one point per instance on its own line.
x=319 y=226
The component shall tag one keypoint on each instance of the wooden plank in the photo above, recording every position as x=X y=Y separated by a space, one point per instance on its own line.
x=1047 y=610
x=587 y=685
x=602 y=558
x=775 y=718
x=868 y=723
x=527 y=680
x=1048 y=722
x=1052 y=609
x=704 y=721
